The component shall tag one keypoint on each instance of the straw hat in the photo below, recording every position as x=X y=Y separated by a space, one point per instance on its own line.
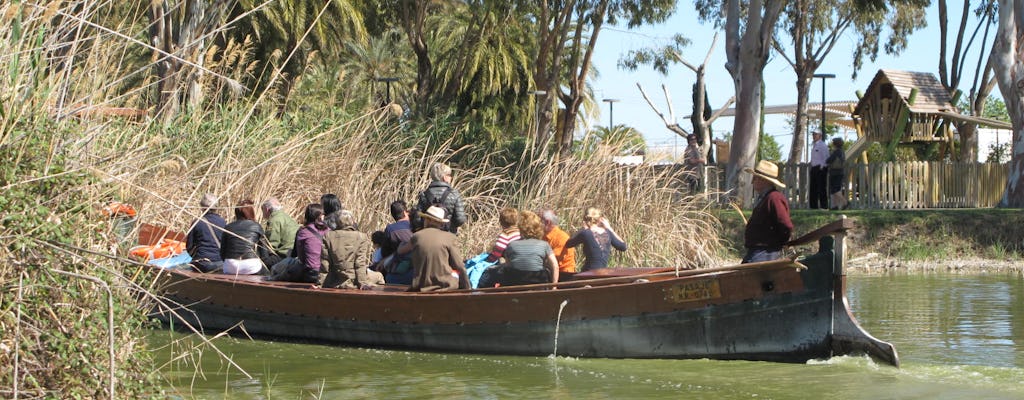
x=769 y=171
x=435 y=213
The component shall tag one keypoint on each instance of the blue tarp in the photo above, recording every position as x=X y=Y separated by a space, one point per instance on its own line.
x=475 y=268
x=169 y=262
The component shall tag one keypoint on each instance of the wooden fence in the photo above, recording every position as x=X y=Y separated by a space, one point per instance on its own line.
x=898 y=185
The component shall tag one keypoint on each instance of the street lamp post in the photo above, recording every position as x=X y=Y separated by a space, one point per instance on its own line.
x=822 y=127
x=611 y=112
x=388 y=81
x=823 y=77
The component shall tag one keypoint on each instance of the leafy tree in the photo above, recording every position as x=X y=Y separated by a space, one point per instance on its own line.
x=951 y=73
x=998 y=153
x=567 y=33
x=812 y=28
x=620 y=140
x=768 y=148
x=290 y=34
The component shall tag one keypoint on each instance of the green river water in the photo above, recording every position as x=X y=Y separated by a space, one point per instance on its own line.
x=959 y=337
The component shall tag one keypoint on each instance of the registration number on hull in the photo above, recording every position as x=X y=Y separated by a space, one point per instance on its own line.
x=694 y=290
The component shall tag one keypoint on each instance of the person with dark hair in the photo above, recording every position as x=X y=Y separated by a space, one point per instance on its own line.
x=440 y=193
x=332 y=206
x=769 y=227
x=837 y=174
x=204 y=239
x=398 y=269
x=305 y=267
x=597 y=238
x=529 y=260
x=435 y=256
x=378 y=239
x=346 y=256
x=816 y=196
x=244 y=244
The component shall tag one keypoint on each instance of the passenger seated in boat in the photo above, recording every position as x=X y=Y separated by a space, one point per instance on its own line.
x=508 y=219
x=332 y=206
x=556 y=237
x=436 y=262
x=377 y=238
x=280 y=229
x=398 y=270
x=598 y=238
x=529 y=260
x=244 y=243
x=305 y=256
x=769 y=227
x=346 y=256
x=204 y=239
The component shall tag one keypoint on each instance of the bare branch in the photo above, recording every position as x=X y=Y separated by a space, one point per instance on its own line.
x=722 y=110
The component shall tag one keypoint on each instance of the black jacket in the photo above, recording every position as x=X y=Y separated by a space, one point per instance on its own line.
x=454 y=209
x=243 y=239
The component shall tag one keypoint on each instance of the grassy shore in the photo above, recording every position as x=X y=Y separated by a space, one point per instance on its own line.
x=959 y=240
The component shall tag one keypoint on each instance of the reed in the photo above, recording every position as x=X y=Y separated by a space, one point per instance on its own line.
x=70 y=148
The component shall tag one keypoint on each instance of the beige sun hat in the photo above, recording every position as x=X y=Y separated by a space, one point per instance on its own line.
x=435 y=213
x=769 y=171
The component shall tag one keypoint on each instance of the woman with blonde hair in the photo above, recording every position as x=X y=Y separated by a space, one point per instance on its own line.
x=598 y=238
x=529 y=260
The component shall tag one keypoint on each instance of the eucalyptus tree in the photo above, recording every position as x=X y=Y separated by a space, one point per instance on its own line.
x=290 y=34
x=749 y=28
x=1008 y=64
x=567 y=32
x=812 y=29
x=951 y=73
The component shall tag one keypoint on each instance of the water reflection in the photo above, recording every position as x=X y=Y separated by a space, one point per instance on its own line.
x=958 y=337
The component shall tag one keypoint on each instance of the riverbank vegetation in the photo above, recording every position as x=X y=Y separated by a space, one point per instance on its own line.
x=77 y=132
x=989 y=238
x=153 y=107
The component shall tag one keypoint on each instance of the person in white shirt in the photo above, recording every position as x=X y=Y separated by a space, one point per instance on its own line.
x=817 y=196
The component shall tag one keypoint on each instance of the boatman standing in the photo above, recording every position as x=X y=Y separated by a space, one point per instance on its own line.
x=769 y=227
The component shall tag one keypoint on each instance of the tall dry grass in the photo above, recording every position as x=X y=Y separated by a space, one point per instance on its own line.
x=73 y=310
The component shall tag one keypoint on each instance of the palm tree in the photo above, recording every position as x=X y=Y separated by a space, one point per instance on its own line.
x=619 y=140
x=289 y=34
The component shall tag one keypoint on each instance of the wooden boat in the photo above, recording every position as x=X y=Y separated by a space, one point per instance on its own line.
x=784 y=311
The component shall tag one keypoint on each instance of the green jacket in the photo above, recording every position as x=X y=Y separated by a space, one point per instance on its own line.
x=280 y=229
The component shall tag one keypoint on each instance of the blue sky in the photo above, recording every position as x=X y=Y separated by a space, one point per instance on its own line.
x=780 y=88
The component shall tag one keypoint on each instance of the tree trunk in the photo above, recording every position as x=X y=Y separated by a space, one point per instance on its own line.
x=178 y=33
x=1008 y=64
x=745 y=135
x=747 y=56
x=803 y=90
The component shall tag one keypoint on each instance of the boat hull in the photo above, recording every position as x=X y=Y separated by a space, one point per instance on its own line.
x=775 y=311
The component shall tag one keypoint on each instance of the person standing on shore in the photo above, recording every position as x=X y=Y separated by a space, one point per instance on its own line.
x=769 y=227
x=817 y=196
x=837 y=174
